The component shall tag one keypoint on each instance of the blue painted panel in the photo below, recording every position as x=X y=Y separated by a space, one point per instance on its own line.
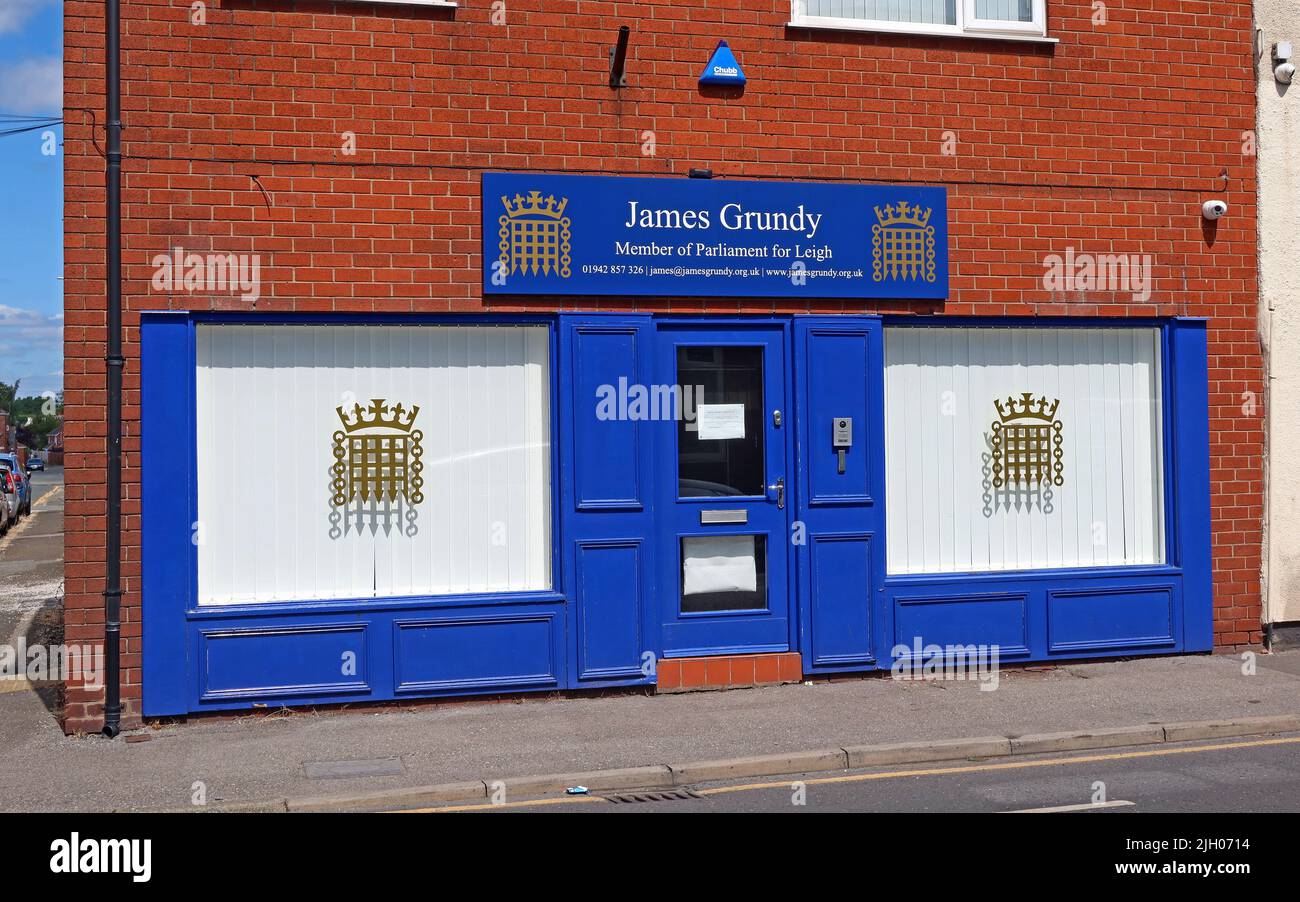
x=498 y=651
x=610 y=609
x=167 y=486
x=607 y=472
x=278 y=662
x=570 y=235
x=840 y=604
x=605 y=499
x=987 y=619
x=839 y=372
x=1188 y=445
x=1106 y=619
x=838 y=362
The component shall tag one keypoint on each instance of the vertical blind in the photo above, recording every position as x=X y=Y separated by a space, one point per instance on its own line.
x=269 y=528
x=1005 y=10
x=930 y=12
x=945 y=514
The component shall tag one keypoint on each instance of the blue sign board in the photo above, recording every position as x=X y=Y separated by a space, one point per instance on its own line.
x=614 y=235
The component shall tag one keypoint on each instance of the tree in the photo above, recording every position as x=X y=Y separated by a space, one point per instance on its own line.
x=34 y=417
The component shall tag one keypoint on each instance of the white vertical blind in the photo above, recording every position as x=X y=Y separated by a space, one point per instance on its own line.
x=268 y=528
x=930 y=12
x=1005 y=10
x=944 y=513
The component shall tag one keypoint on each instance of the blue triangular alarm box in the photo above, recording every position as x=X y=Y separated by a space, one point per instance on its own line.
x=722 y=68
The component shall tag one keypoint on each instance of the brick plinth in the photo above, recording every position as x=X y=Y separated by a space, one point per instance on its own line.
x=728 y=672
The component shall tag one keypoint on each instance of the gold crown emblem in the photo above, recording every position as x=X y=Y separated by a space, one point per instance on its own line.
x=1027 y=409
x=378 y=416
x=534 y=205
x=903 y=214
x=902 y=243
x=534 y=235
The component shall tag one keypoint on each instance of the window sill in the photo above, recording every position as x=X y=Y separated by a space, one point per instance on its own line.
x=843 y=25
x=441 y=4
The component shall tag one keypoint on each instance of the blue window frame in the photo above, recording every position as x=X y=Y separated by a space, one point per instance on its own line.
x=1088 y=611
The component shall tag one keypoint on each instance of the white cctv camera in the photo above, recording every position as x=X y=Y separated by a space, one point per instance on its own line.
x=1284 y=71
x=1213 y=209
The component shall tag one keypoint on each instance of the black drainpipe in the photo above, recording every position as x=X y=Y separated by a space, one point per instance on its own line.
x=114 y=363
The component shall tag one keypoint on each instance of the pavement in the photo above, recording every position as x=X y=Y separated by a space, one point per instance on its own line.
x=375 y=757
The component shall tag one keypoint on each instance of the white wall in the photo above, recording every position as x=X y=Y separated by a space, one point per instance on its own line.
x=1279 y=226
x=266 y=400
x=944 y=513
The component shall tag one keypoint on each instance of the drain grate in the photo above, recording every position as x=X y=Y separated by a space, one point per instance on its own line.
x=633 y=798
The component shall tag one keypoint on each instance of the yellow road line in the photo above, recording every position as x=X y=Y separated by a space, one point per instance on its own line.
x=54 y=490
x=890 y=775
x=1008 y=765
x=490 y=806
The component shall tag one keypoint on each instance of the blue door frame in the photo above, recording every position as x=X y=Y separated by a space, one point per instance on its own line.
x=765 y=510
x=601 y=624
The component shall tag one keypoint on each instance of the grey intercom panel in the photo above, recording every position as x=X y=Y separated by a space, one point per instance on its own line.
x=842 y=432
x=841 y=439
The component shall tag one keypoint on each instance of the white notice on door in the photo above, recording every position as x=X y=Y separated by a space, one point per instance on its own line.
x=718 y=564
x=718 y=421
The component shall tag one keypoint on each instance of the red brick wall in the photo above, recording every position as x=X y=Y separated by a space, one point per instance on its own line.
x=1108 y=142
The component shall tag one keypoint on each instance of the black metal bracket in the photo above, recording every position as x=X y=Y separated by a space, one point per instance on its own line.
x=618 y=59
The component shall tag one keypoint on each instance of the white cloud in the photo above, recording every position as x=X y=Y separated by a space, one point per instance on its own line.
x=31 y=342
x=20 y=327
x=15 y=13
x=33 y=85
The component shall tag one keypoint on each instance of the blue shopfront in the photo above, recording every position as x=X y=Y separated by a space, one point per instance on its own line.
x=340 y=508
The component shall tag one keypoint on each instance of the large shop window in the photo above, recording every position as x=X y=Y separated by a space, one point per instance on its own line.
x=341 y=461
x=1023 y=448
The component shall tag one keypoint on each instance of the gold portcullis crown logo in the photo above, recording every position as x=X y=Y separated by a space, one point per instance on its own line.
x=902 y=243
x=535 y=235
x=377 y=454
x=1027 y=442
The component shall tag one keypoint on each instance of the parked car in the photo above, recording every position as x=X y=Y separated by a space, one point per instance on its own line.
x=35 y=463
x=9 y=462
x=8 y=501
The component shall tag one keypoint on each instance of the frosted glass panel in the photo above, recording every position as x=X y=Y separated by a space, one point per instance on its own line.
x=1013 y=449
x=1005 y=10
x=371 y=461
x=930 y=12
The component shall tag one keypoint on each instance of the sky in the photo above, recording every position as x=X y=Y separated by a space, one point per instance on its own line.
x=31 y=198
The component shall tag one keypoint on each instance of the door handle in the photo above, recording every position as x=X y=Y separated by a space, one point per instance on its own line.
x=779 y=488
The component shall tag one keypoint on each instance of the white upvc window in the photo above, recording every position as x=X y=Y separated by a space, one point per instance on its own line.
x=1019 y=19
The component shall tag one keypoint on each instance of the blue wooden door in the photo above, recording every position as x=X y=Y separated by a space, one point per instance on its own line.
x=724 y=489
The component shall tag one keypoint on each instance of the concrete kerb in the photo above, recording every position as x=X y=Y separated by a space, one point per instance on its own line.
x=668 y=776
